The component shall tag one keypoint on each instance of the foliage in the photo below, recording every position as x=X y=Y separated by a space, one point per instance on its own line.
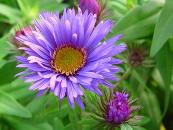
x=145 y=24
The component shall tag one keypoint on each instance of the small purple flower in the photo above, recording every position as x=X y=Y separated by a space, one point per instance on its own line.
x=114 y=109
x=91 y=5
x=118 y=109
x=67 y=54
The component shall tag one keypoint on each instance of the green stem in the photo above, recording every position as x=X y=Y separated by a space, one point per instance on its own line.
x=123 y=77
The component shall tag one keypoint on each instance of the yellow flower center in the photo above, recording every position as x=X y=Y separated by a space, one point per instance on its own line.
x=67 y=60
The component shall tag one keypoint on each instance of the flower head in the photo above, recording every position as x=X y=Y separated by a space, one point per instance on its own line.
x=91 y=5
x=118 y=109
x=67 y=55
x=136 y=57
x=139 y=56
x=114 y=109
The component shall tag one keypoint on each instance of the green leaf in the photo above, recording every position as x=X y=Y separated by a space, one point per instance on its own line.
x=126 y=127
x=163 y=29
x=139 y=22
x=21 y=92
x=23 y=4
x=9 y=106
x=29 y=8
x=17 y=89
x=165 y=65
x=7 y=72
x=54 y=5
x=74 y=117
x=11 y=13
x=4 y=47
x=138 y=128
x=152 y=108
x=87 y=122
x=118 y=8
x=63 y=112
x=2 y=63
x=143 y=121
x=9 y=2
x=69 y=127
x=37 y=104
x=44 y=126
x=18 y=124
x=151 y=104
x=171 y=43
x=58 y=124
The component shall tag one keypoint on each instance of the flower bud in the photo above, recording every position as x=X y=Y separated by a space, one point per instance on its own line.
x=21 y=32
x=91 y=5
x=118 y=109
x=115 y=109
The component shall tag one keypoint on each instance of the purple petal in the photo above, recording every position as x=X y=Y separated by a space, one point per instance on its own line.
x=62 y=92
x=114 y=39
x=79 y=102
x=57 y=89
x=53 y=82
x=91 y=75
x=64 y=82
x=38 y=84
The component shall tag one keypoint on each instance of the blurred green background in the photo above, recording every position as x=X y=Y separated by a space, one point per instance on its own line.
x=147 y=26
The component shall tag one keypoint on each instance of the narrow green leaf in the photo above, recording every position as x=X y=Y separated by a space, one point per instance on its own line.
x=37 y=104
x=17 y=89
x=19 y=124
x=58 y=124
x=29 y=9
x=152 y=108
x=63 y=112
x=44 y=126
x=139 y=22
x=23 y=5
x=2 y=63
x=69 y=127
x=118 y=9
x=4 y=47
x=163 y=29
x=54 y=5
x=88 y=122
x=151 y=104
x=138 y=128
x=22 y=92
x=171 y=43
x=126 y=127
x=11 y=13
x=7 y=72
x=165 y=65
x=9 y=106
x=143 y=121
x=74 y=117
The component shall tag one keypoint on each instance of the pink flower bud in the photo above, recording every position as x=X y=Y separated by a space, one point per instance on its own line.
x=21 y=32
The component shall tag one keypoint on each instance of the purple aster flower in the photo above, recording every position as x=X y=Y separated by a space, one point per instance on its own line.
x=118 y=109
x=66 y=55
x=91 y=5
